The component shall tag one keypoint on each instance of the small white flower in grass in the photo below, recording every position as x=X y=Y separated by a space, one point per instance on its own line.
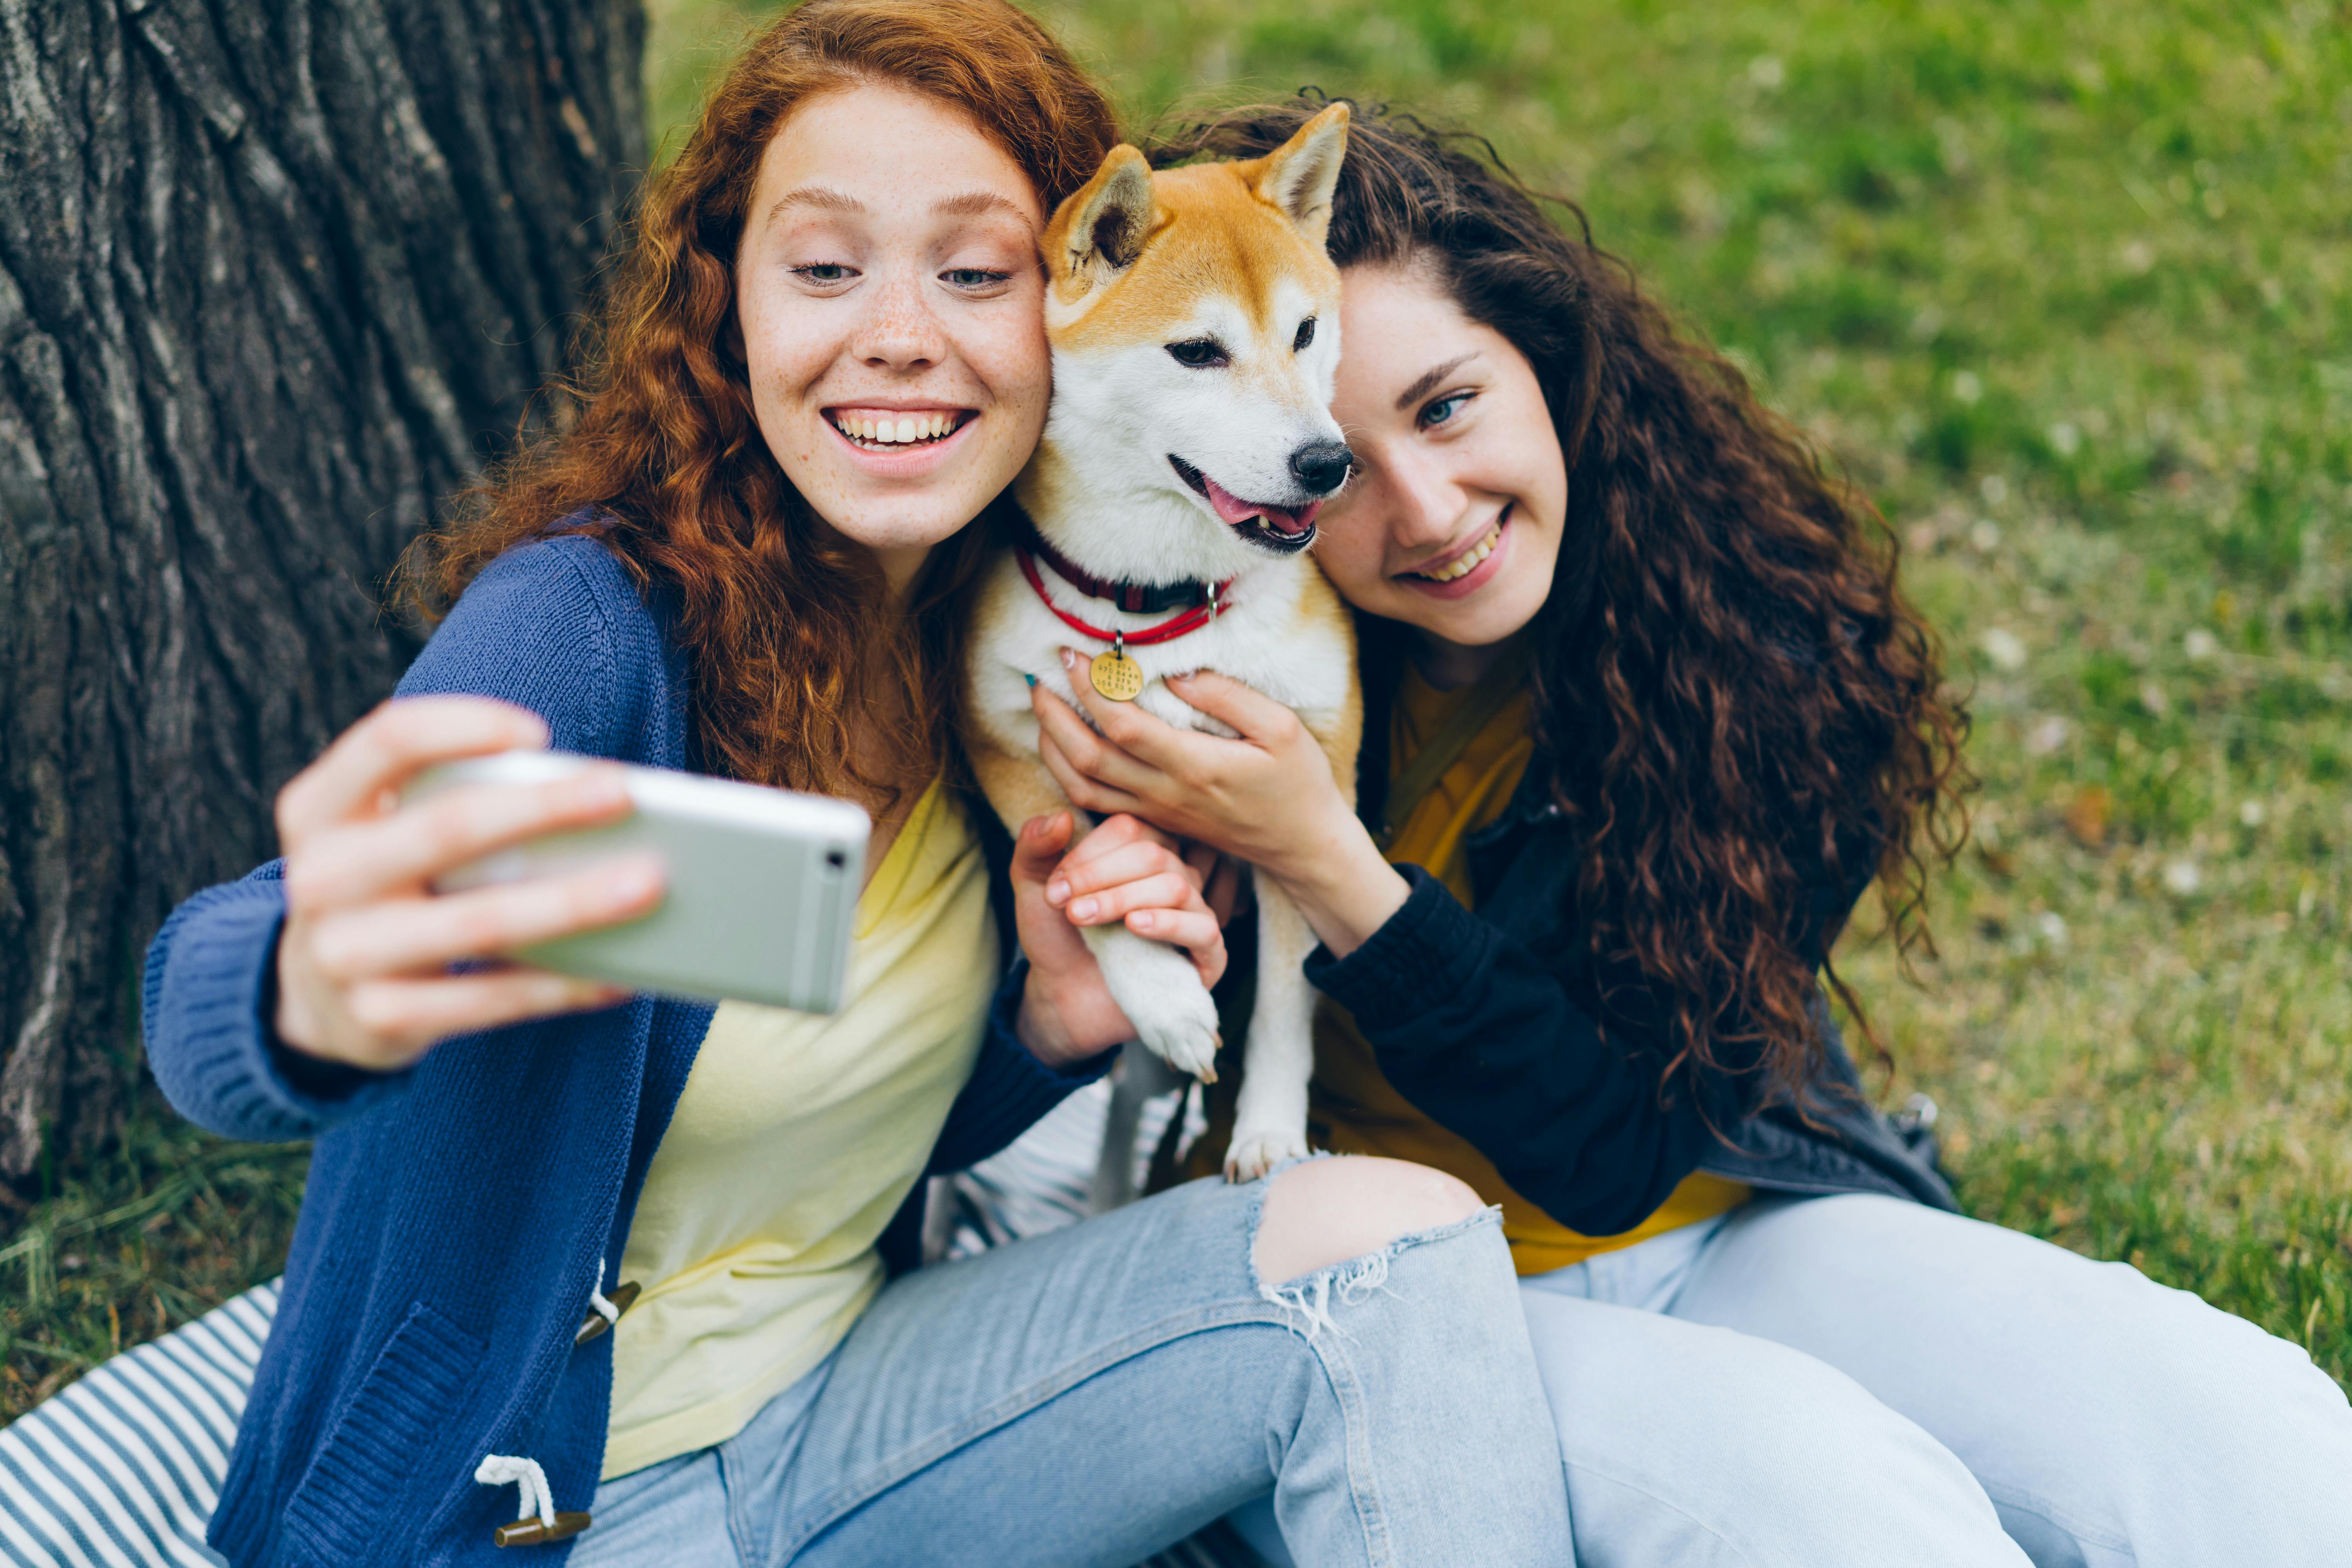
x=2152 y=697
x=2065 y=440
x=2200 y=645
x=2182 y=878
x=1767 y=72
x=1984 y=536
x=2004 y=649
x=1967 y=386
x=1994 y=488
x=2252 y=813
x=2047 y=736
x=2052 y=926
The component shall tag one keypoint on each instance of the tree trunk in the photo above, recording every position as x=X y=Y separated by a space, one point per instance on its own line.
x=276 y=276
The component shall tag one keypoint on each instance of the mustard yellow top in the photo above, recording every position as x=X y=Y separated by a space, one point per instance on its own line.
x=794 y=1141
x=1352 y=1107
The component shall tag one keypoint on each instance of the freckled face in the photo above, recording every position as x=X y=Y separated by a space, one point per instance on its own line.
x=893 y=315
x=1453 y=521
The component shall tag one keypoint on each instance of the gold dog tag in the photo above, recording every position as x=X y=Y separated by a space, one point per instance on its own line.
x=1117 y=676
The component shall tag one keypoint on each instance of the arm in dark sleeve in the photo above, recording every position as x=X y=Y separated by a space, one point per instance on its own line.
x=1009 y=1088
x=1485 y=1039
x=1478 y=1035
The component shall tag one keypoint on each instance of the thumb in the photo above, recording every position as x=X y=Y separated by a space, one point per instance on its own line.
x=1222 y=697
x=1037 y=847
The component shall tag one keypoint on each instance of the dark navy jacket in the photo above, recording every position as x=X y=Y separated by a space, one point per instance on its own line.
x=1485 y=1022
x=458 y=1215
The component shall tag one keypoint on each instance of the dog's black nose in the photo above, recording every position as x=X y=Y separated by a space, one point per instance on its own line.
x=1322 y=465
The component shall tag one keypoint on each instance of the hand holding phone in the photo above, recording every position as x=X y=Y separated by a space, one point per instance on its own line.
x=363 y=962
x=762 y=883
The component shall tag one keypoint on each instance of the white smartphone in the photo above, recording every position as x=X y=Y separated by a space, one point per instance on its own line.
x=761 y=888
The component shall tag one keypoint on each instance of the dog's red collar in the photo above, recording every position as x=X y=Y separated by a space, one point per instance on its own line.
x=1135 y=598
x=1210 y=600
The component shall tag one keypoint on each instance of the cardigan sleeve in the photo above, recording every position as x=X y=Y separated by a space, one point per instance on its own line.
x=1009 y=1088
x=532 y=630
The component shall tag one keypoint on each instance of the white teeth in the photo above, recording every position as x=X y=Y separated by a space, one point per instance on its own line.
x=1462 y=566
x=890 y=432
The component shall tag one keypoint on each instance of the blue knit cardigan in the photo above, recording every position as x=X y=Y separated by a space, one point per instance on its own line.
x=458 y=1214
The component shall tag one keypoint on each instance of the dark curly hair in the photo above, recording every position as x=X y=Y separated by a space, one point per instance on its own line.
x=1729 y=683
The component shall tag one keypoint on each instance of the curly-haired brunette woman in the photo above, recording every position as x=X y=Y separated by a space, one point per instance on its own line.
x=628 y=1254
x=1644 y=693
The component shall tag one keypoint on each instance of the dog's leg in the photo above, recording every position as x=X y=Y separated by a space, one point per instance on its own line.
x=1270 y=1117
x=1160 y=992
x=1154 y=984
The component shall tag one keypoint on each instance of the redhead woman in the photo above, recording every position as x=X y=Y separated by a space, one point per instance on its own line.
x=1645 y=714
x=610 y=1276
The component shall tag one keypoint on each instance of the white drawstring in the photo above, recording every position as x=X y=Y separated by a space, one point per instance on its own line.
x=513 y=1470
x=597 y=1301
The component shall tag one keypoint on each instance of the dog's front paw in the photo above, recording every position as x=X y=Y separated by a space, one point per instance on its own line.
x=1186 y=1038
x=1161 y=995
x=1252 y=1154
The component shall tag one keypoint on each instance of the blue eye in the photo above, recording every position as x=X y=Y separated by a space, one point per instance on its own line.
x=973 y=277
x=1444 y=408
x=824 y=272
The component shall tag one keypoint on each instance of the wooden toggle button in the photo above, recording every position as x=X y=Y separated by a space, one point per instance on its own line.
x=623 y=1296
x=535 y=1532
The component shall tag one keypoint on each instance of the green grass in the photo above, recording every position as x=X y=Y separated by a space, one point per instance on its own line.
x=164 y=1227
x=2068 y=291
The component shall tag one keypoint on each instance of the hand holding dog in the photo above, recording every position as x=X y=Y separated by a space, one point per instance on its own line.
x=1132 y=873
x=1267 y=798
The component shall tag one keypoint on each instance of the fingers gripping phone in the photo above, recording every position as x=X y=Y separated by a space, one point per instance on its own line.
x=761 y=893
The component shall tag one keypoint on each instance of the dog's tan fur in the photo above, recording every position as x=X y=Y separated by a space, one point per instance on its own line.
x=1136 y=261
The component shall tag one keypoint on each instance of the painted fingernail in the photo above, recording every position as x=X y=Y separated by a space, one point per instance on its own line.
x=1029 y=678
x=1084 y=909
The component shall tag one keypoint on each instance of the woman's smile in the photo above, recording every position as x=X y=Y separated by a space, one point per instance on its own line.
x=893 y=443
x=1460 y=573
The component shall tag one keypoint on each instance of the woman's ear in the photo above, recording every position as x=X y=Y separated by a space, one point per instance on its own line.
x=1300 y=176
x=1099 y=231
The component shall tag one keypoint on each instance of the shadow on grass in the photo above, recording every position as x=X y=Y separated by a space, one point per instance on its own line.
x=161 y=1229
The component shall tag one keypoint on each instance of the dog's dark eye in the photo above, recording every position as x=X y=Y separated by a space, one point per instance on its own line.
x=1306 y=335
x=1201 y=353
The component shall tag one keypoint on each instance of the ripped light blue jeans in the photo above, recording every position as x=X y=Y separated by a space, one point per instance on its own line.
x=1091 y=1396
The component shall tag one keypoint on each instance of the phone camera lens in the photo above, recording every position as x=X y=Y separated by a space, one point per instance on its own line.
x=835 y=859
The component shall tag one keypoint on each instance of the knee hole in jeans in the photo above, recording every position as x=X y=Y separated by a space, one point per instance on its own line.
x=1322 y=1212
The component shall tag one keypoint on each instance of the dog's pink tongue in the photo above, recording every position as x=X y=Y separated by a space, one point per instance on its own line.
x=1237 y=511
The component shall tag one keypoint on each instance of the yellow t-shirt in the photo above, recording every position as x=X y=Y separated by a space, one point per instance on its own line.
x=1353 y=1108
x=795 y=1139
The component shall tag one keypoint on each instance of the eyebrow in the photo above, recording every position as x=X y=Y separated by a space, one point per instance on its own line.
x=1429 y=379
x=964 y=203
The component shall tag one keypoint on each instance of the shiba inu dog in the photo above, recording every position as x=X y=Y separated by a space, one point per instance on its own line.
x=1194 y=324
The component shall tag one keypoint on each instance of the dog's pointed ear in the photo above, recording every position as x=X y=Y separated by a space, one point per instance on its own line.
x=1300 y=176
x=1100 y=230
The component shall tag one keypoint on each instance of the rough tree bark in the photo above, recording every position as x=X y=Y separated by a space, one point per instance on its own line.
x=276 y=276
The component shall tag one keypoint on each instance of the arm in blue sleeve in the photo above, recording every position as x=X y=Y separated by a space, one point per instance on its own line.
x=537 y=629
x=203 y=1012
x=1009 y=1088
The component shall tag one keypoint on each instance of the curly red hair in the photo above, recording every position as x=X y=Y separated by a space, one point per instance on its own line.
x=657 y=441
